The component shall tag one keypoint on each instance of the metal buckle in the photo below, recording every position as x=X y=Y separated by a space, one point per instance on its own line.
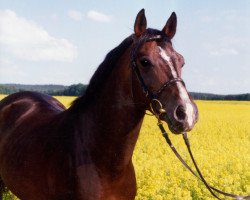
x=157 y=111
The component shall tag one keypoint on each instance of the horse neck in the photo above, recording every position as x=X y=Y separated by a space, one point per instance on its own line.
x=113 y=122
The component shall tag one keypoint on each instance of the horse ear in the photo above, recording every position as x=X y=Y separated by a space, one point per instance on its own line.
x=170 y=27
x=140 y=23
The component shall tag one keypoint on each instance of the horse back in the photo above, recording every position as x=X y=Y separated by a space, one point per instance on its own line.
x=17 y=108
x=34 y=145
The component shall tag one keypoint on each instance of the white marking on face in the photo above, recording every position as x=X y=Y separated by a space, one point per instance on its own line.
x=167 y=58
x=182 y=91
x=190 y=114
x=189 y=108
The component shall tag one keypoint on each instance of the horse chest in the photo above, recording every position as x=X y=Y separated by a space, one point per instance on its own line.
x=93 y=185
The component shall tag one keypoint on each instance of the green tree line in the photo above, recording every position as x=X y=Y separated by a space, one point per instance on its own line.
x=79 y=89
x=208 y=96
x=56 y=90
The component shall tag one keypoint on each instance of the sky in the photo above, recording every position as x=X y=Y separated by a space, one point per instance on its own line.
x=63 y=41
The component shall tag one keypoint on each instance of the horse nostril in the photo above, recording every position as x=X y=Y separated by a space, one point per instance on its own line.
x=180 y=113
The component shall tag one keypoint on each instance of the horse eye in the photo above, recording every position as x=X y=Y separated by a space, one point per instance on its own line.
x=145 y=62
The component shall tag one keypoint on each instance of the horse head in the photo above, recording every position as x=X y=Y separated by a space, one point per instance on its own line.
x=158 y=67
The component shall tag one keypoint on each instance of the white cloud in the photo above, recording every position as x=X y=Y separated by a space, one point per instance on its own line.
x=75 y=15
x=230 y=15
x=54 y=17
x=228 y=46
x=26 y=40
x=97 y=16
x=207 y=18
x=10 y=69
x=224 y=51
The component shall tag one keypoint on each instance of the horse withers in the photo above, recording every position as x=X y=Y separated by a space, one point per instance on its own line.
x=85 y=152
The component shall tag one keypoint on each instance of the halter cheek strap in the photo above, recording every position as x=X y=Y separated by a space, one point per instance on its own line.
x=148 y=93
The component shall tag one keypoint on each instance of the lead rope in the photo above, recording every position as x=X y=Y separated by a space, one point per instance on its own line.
x=237 y=197
x=200 y=177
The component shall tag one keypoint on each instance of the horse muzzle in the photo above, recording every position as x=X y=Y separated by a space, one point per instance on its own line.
x=182 y=118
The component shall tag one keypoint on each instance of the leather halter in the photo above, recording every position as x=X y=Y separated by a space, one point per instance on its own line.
x=152 y=95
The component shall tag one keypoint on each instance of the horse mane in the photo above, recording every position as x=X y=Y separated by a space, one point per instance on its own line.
x=100 y=76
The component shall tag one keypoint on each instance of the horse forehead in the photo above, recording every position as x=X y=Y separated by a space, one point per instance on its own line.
x=168 y=52
x=148 y=47
x=167 y=47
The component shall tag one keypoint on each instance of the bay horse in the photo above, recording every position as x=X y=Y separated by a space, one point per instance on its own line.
x=48 y=152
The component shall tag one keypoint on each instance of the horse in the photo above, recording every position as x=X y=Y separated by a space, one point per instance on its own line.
x=48 y=152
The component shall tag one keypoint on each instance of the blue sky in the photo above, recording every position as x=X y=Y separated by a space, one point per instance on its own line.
x=63 y=41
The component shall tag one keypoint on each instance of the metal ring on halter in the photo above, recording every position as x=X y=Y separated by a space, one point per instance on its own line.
x=159 y=111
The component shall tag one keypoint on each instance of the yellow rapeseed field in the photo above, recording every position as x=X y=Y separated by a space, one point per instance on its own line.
x=220 y=143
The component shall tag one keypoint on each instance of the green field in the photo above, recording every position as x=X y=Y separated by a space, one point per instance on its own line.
x=220 y=142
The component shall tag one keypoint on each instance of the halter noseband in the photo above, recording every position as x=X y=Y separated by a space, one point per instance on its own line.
x=152 y=96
